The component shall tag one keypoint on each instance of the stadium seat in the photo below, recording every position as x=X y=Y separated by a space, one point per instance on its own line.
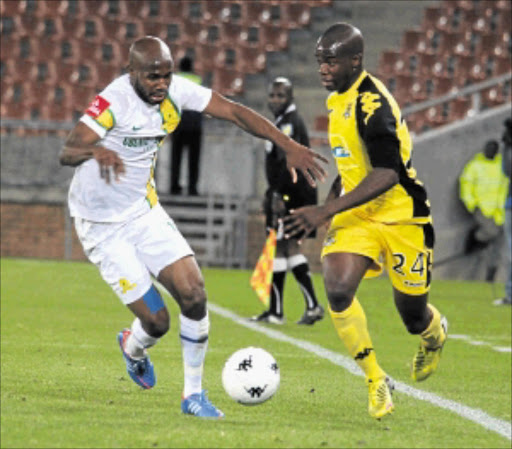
x=228 y=82
x=437 y=116
x=210 y=34
x=132 y=9
x=69 y=51
x=169 y=32
x=168 y=11
x=448 y=41
x=191 y=31
x=9 y=48
x=250 y=59
x=296 y=14
x=109 y=53
x=500 y=65
x=82 y=97
x=273 y=38
x=10 y=8
x=91 y=30
x=431 y=15
x=27 y=24
x=105 y=73
x=49 y=28
x=95 y=7
x=387 y=61
x=74 y=9
x=411 y=40
x=10 y=26
x=211 y=12
x=230 y=33
x=7 y=72
x=416 y=122
x=254 y=13
x=459 y=109
x=426 y=63
x=419 y=90
x=14 y=105
x=442 y=86
x=402 y=88
x=495 y=95
x=208 y=57
x=321 y=123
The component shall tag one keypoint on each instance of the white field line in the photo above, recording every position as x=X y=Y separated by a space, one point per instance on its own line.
x=473 y=342
x=478 y=416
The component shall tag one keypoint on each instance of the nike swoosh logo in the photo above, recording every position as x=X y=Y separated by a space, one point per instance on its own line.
x=136 y=128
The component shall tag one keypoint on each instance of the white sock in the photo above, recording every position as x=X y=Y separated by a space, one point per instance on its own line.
x=194 y=342
x=138 y=341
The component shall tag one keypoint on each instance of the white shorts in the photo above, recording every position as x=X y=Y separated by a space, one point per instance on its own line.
x=128 y=253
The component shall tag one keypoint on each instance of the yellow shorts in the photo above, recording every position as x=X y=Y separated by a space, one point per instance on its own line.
x=405 y=250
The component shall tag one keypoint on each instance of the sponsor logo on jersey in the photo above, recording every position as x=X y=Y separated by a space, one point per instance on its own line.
x=136 y=142
x=340 y=151
x=97 y=107
x=346 y=114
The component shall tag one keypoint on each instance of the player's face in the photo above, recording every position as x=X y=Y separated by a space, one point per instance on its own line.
x=278 y=99
x=336 y=70
x=152 y=83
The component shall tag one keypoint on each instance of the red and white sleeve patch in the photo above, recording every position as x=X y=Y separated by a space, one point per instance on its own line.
x=97 y=107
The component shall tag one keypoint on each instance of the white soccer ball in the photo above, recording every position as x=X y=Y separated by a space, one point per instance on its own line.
x=251 y=376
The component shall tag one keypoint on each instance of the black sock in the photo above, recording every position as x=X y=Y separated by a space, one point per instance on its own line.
x=303 y=276
x=276 y=293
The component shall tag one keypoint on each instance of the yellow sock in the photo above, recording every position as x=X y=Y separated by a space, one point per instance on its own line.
x=352 y=329
x=433 y=336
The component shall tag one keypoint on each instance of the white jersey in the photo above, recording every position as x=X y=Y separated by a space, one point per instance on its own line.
x=135 y=130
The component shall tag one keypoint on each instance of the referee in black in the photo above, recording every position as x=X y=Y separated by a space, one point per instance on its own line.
x=281 y=196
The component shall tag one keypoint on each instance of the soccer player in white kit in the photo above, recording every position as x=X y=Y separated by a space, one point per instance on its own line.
x=124 y=230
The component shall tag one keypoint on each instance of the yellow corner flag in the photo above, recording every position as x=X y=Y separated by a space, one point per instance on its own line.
x=261 y=278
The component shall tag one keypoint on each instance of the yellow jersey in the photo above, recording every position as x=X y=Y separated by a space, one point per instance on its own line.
x=366 y=131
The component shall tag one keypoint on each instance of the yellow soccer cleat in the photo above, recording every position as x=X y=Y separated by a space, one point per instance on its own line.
x=379 y=397
x=426 y=360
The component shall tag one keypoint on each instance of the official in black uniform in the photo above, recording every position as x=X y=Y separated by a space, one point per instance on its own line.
x=282 y=196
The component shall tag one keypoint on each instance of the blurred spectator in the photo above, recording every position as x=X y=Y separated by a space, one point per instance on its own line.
x=188 y=134
x=507 y=168
x=483 y=189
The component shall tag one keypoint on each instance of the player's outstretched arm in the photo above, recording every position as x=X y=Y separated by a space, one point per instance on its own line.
x=297 y=155
x=305 y=219
x=80 y=146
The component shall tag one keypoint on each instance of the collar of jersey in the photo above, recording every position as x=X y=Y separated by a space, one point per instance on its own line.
x=289 y=109
x=354 y=86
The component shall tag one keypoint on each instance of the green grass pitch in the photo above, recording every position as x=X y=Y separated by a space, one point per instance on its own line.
x=64 y=383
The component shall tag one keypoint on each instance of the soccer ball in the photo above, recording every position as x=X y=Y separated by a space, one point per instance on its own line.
x=251 y=376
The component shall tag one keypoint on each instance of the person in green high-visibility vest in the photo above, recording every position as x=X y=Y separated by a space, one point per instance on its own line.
x=188 y=134
x=483 y=189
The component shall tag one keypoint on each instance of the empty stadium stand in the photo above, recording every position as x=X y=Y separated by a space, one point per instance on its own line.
x=458 y=43
x=81 y=45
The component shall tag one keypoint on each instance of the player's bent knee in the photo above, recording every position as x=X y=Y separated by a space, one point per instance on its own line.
x=194 y=307
x=158 y=324
x=340 y=295
x=415 y=327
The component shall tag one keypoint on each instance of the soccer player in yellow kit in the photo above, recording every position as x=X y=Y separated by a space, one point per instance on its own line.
x=379 y=212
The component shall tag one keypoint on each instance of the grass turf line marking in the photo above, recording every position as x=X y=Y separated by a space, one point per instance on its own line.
x=478 y=416
x=473 y=342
